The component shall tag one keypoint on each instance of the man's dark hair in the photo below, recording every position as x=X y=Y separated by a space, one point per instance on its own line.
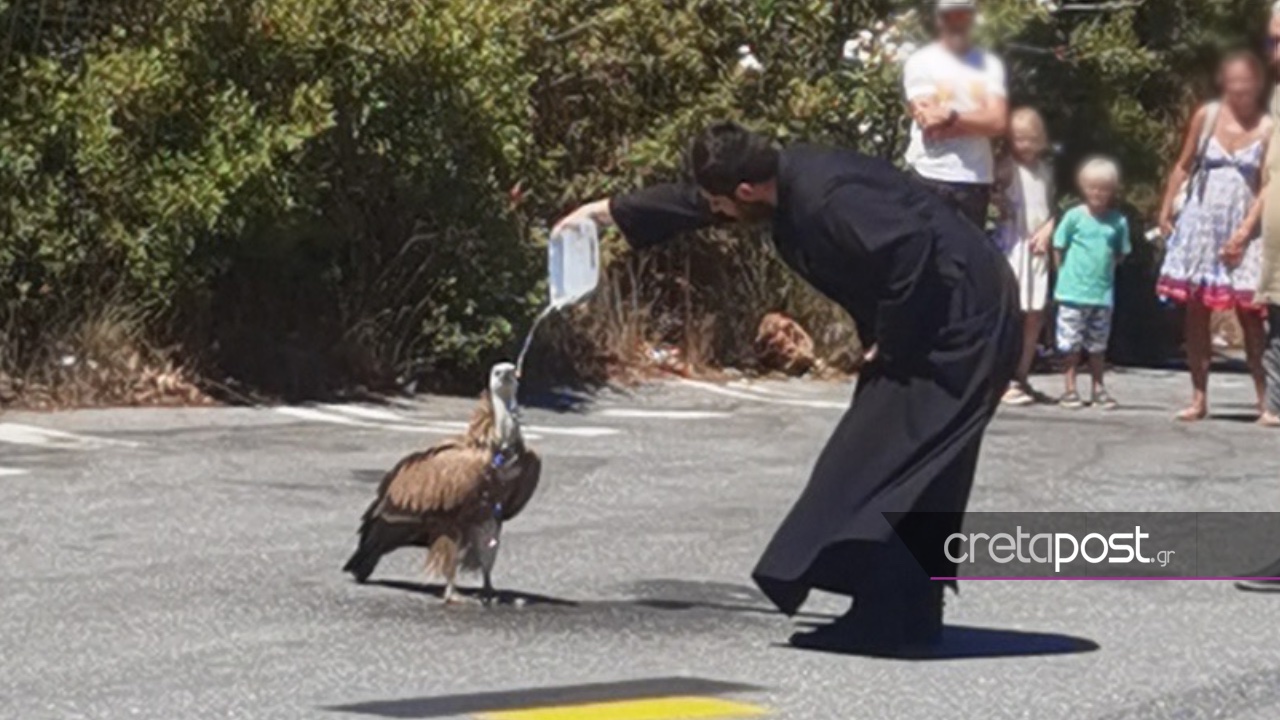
x=726 y=155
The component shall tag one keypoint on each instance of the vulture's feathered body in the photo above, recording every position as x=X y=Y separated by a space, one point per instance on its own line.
x=454 y=497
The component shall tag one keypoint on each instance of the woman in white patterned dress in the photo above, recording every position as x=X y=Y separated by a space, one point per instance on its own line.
x=1212 y=262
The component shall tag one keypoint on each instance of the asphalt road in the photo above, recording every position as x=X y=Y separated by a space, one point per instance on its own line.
x=185 y=564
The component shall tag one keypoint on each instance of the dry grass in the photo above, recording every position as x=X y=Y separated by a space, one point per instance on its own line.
x=102 y=360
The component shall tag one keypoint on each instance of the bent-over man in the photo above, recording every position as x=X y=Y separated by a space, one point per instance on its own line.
x=939 y=303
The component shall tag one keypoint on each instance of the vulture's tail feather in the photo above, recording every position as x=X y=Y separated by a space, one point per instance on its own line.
x=377 y=538
x=363 y=562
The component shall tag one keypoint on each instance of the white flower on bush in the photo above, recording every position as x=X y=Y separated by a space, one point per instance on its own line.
x=849 y=52
x=883 y=43
x=747 y=60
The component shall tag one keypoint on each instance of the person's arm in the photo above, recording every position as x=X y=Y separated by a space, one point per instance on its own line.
x=1233 y=251
x=990 y=119
x=597 y=211
x=1182 y=169
x=918 y=86
x=1062 y=238
x=1042 y=238
x=650 y=216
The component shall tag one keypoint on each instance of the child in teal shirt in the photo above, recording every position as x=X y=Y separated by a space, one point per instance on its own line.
x=1089 y=243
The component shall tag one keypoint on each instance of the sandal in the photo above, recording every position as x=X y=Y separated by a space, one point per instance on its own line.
x=1191 y=415
x=1103 y=400
x=1071 y=401
x=1269 y=420
x=1019 y=395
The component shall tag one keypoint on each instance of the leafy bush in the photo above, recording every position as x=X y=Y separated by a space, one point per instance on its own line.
x=305 y=196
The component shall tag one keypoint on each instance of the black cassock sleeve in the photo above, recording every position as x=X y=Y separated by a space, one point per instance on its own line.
x=656 y=214
x=888 y=231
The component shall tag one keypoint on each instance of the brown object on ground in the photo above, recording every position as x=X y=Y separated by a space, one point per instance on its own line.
x=784 y=346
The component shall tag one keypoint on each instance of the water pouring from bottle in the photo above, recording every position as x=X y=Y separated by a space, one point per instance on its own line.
x=573 y=272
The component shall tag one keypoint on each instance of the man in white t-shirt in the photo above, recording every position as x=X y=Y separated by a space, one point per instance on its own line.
x=958 y=100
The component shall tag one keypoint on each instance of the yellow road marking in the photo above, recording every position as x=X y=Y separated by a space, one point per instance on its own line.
x=672 y=708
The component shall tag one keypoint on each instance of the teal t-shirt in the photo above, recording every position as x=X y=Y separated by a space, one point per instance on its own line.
x=1090 y=246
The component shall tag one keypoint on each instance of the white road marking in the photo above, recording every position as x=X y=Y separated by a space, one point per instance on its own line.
x=17 y=434
x=742 y=395
x=314 y=415
x=11 y=472
x=311 y=414
x=639 y=414
x=365 y=412
x=531 y=430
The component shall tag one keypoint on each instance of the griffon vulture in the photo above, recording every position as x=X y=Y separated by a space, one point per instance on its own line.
x=454 y=497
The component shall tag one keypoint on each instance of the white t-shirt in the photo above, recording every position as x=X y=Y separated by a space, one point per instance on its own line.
x=961 y=83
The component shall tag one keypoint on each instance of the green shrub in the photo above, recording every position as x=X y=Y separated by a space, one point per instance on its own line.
x=305 y=196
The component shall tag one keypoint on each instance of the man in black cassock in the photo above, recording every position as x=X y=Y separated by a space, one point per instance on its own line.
x=938 y=303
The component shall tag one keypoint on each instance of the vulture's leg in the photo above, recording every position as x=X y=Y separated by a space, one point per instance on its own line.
x=484 y=539
x=442 y=559
x=451 y=596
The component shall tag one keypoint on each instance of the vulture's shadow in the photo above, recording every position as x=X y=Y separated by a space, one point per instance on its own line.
x=504 y=597
x=663 y=604
x=971 y=643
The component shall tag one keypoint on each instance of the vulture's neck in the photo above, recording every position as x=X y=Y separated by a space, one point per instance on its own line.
x=506 y=430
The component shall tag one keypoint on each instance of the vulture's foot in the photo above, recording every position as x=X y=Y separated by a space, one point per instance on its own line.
x=453 y=598
x=488 y=596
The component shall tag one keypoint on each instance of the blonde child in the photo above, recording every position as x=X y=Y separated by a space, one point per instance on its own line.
x=1089 y=243
x=1026 y=233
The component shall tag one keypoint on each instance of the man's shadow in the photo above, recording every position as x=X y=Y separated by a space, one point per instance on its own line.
x=667 y=596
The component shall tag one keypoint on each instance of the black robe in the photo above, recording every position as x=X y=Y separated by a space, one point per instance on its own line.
x=940 y=302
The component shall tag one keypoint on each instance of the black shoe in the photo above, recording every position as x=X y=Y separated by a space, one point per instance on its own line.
x=1260 y=586
x=889 y=624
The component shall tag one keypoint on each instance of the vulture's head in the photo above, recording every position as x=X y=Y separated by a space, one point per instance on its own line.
x=503 y=384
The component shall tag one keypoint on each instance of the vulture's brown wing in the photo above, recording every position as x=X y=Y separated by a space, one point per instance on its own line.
x=437 y=480
x=524 y=485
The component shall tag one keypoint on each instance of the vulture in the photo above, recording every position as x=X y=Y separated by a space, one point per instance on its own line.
x=454 y=497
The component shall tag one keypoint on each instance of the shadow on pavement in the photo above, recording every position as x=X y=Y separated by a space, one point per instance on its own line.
x=504 y=597
x=970 y=643
x=663 y=603
x=1250 y=418
x=658 y=604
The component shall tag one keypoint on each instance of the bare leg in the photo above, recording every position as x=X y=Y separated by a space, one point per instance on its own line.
x=1198 y=358
x=1072 y=364
x=1097 y=369
x=1255 y=343
x=1032 y=325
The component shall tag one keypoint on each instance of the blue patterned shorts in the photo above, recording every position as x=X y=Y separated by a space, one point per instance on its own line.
x=1083 y=327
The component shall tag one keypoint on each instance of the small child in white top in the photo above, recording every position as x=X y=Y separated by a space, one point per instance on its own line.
x=1025 y=233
